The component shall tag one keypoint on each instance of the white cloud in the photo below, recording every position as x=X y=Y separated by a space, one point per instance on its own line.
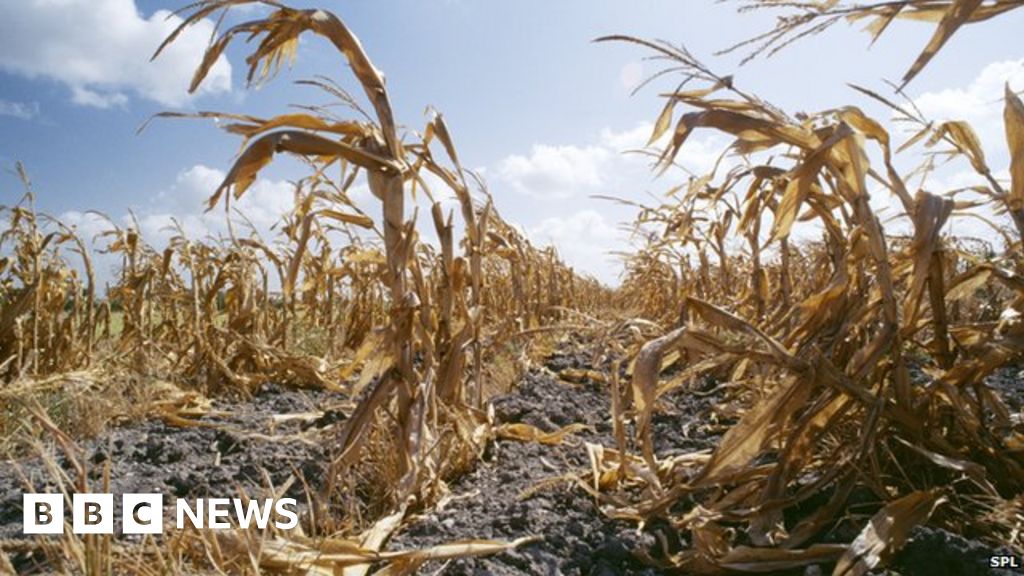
x=631 y=139
x=584 y=240
x=606 y=166
x=19 y=110
x=184 y=202
x=89 y=225
x=584 y=230
x=86 y=97
x=100 y=50
x=556 y=171
x=263 y=204
x=559 y=180
x=980 y=103
x=981 y=100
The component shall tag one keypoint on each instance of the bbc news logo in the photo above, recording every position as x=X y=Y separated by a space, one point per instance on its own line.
x=144 y=513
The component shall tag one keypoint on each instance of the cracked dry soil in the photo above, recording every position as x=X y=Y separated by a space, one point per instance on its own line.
x=517 y=490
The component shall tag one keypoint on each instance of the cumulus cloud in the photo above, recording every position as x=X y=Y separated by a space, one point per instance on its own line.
x=184 y=203
x=605 y=166
x=19 y=110
x=585 y=240
x=89 y=226
x=263 y=204
x=980 y=103
x=553 y=180
x=563 y=175
x=100 y=50
x=982 y=99
x=555 y=171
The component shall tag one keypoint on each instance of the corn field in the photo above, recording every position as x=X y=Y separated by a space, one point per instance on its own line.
x=850 y=362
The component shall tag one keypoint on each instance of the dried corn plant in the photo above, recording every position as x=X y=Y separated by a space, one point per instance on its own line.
x=855 y=357
x=341 y=296
x=800 y=19
x=47 y=323
x=861 y=356
x=422 y=337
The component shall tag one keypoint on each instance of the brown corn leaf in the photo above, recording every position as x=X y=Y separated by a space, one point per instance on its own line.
x=529 y=433
x=279 y=555
x=255 y=126
x=375 y=538
x=410 y=562
x=887 y=531
x=958 y=13
x=800 y=183
x=1013 y=117
x=754 y=130
x=757 y=560
x=965 y=139
x=281 y=31
x=879 y=25
x=752 y=433
x=661 y=125
x=360 y=220
x=646 y=369
x=931 y=215
x=969 y=283
x=972 y=469
x=260 y=152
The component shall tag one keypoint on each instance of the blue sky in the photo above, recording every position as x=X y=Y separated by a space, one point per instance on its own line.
x=530 y=99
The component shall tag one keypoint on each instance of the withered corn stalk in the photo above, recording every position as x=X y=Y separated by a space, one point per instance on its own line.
x=343 y=296
x=835 y=362
x=421 y=394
